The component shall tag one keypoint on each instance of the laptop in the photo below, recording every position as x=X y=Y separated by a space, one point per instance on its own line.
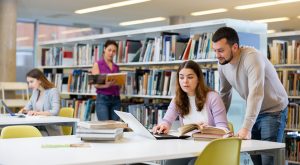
x=140 y=129
x=11 y=113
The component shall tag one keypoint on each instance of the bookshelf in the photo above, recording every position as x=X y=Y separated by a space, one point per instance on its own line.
x=293 y=162
x=284 y=53
x=66 y=67
x=163 y=58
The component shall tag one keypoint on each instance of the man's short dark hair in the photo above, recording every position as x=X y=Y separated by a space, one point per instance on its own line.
x=228 y=33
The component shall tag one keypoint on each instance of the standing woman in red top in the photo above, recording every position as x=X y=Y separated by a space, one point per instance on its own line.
x=108 y=94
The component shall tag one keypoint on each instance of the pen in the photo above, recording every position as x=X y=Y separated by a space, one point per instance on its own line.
x=64 y=145
x=55 y=145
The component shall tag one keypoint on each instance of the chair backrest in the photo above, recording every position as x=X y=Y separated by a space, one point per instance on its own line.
x=230 y=126
x=221 y=151
x=15 y=86
x=20 y=131
x=66 y=112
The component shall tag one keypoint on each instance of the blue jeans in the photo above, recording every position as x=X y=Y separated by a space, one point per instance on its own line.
x=105 y=106
x=269 y=127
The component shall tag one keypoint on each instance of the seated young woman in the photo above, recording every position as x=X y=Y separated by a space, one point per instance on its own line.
x=45 y=100
x=194 y=102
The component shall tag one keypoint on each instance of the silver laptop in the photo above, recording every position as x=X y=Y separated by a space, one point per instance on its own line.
x=139 y=129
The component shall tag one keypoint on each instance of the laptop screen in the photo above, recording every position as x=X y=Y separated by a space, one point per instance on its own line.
x=8 y=110
x=140 y=129
x=11 y=113
x=134 y=124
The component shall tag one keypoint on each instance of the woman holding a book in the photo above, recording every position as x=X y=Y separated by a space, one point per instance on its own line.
x=194 y=103
x=108 y=94
x=43 y=101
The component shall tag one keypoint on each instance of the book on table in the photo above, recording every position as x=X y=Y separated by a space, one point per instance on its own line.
x=119 y=78
x=205 y=132
x=99 y=134
x=108 y=124
x=100 y=137
x=98 y=131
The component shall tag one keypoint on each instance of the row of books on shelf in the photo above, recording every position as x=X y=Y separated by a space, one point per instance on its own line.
x=292 y=143
x=166 y=47
x=83 y=109
x=76 y=82
x=148 y=114
x=162 y=82
x=79 y=54
x=151 y=82
x=284 y=52
x=293 y=118
x=138 y=82
x=290 y=80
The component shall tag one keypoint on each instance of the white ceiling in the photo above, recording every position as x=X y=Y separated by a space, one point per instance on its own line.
x=62 y=12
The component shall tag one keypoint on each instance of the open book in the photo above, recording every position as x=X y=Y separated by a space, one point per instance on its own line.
x=119 y=78
x=207 y=131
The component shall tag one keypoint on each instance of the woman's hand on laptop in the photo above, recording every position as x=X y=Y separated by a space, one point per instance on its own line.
x=32 y=113
x=161 y=128
x=38 y=113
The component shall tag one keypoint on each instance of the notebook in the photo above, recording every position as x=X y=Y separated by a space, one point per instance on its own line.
x=10 y=112
x=141 y=130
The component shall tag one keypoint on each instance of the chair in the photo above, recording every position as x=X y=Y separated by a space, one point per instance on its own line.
x=66 y=112
x=20 y=131
x=221 y=151
x=230 y=126
x=15 y=87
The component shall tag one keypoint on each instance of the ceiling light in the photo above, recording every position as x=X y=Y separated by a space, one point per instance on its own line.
x=298 y=17
x=272 y=20
x=271 y=31
x=206 y=12
x=270 y=3
x=22 y=38
x=156 y=19
x=76 y=30
x=109 y=6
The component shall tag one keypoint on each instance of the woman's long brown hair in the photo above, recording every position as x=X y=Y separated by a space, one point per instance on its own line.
x=39 y=75
x=181 y=98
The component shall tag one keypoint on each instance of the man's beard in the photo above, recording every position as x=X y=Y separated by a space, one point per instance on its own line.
x=227 y=61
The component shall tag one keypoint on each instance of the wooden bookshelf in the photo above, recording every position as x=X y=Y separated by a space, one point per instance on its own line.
x=255 y=31
x=288 y=51
x=65 y=67
x=291 y=129
x=150 y=96
x=294 y=97
x=123 y=95
x=79 y=94
x=292 y=162
x=132 y=64
x=284 y=34
x=287 y=66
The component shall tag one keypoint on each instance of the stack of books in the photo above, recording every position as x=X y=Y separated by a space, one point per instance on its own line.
x=205 y=132
x=100 y=130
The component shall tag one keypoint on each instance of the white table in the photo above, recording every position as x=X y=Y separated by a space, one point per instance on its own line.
x=130 y=149
x=6 y=120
